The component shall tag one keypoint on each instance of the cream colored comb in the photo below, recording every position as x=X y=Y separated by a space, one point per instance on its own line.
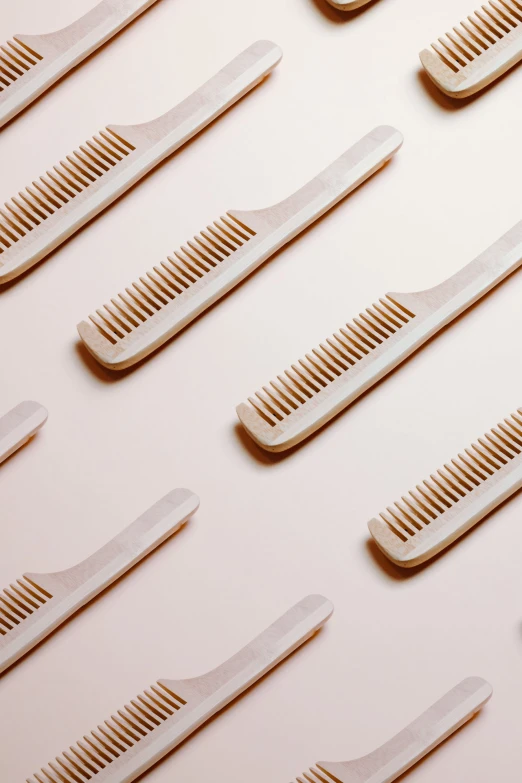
x=173 y=293
x=29 y=64
x=19 y=425
x=38 y=603
x=478 y=50
x=445 y=506
x=388 y=762
x=363 y=351
x=56 y=205
x=348 y=5
x=158 y=719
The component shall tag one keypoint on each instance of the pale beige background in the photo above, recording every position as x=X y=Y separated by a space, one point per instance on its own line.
x=269 y=530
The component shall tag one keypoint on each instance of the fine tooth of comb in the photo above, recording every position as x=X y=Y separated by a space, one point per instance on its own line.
x=171 y=294
x=325 y=381
x=36 y=604
x=30 y=64
x=82 y=184
x=135 y=737
x=19 y=425
x=478 y=50
x=396 y=756
x=457 y=496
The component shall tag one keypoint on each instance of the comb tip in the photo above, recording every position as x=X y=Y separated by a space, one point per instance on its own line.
x=475 y=683
x=180 y=496
x=29 y=408
x=401 y=553
x=322 y=603
x=266 y=46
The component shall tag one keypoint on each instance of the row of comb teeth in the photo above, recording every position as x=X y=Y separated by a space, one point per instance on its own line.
x=166 y=282
x=315 y=776
x=47 y=195
x=482 y=30
x=20 y=601
x=448 y=486
x=97 y=750
x=331 y=360
x=15 y=59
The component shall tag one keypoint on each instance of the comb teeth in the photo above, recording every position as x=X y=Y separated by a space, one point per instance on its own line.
x=313 y=775
x=123 y=731
x=171 y=279
x=479 y=33
x=19 y=601
x=450 y=485
x=15 y=60
x=47 y=195
x=330 y=361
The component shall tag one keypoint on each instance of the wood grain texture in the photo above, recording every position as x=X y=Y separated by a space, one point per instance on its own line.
x=445 y=506
x=30 y=64
x=414 y=742
x=19 y=425
x=153 y=309
x=153 y=724
x=39 y=603
x=56 y=205
x=476 y=51
x=329 y=378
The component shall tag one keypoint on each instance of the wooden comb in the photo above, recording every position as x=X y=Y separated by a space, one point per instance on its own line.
x=173 y=293
x=29 y=64
x=155 y=722
x=414 y=742
x=456 y=497
x=56 y=205
x=19 y=425
x=39 y=603
x=348 y=5
x=478 y=50
x=363 y=351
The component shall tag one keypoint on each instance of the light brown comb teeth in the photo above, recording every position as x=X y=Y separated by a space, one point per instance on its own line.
x=121 y=732
x=275 y=408
x=454 y=498
x=42 y=200
x=149 y=298
x=477 y=50
x=19 y=601
x=16 y=59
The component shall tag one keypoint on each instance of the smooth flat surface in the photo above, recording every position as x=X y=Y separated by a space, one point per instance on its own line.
x=269 y=530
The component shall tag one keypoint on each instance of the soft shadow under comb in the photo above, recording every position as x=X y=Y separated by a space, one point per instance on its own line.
x=38 y=603
x=56 y=205
x=19 y=425
x=478 y=50
x=445 y=506
x=364 y=350
x=414 y=742
x=147 y=728
x=170 y=295
x=30 y=64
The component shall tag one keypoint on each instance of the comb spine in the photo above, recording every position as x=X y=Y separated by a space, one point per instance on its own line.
x=150 y=143
x=340 y=178
x=220 y=92
x=210 y=693
x=477 y=53
x=76 y=586
x=274 y=644
x=418 y=739
x=452 y=297
x=66 y=48
x=19 y=425
x=134 y=542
